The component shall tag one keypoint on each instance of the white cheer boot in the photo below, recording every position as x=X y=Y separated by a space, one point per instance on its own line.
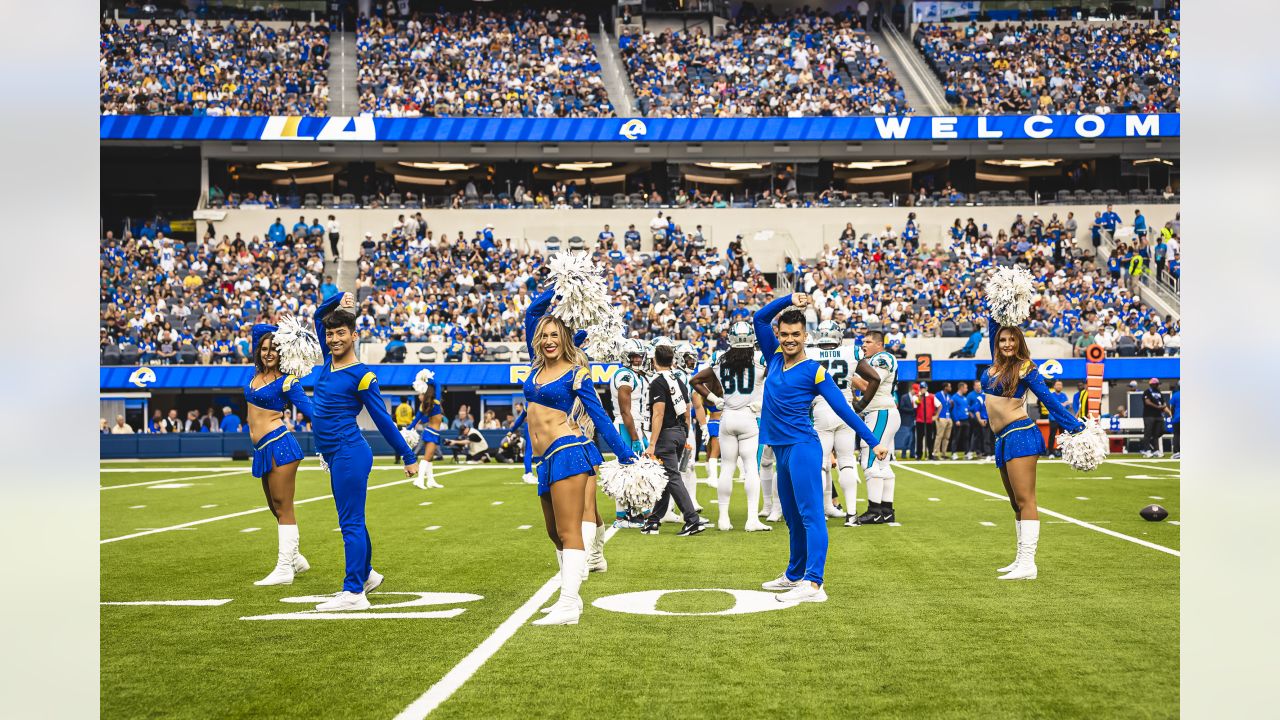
x=287 y=558
x=1017 y=526
x=1024 y=568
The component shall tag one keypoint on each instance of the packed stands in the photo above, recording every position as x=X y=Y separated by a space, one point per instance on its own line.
x=1056 y=68
x=525 y=63
x=235 y=68
x=799 y=64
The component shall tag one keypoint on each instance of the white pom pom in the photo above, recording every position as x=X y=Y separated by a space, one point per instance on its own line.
x=637 y=486
x=583 y=303
x=298 y=346
x=1086 y=449
x=411 y=438
x=1010 y=291
x=323 y=465
x=424 y=376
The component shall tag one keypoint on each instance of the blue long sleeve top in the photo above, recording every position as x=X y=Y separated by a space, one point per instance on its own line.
x=340 y=393
x=272 y=396
x=1031 y=380
x=789 y=391
x=959 y=407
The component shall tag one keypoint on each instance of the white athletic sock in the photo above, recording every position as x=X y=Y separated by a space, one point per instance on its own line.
x=752 y=481
x=724 y=489
x=875 y=488
x=713 y=469
x=849 y=489
x=691 y=486
x=571 y=571
x=886 y=489
x=769 y=486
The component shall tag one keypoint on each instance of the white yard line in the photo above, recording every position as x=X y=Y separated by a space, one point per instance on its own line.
x=1046 y=511
x=227 y=473
x=446 y=686
x=182 y=603
x=264 y=509
x=1129 y=463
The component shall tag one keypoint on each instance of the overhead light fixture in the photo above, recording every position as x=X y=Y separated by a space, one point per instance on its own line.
x=391 y=149
x=289 y=165
x=1148 y=161
x=550 y=149
x=733 y=166
x=1024 y=163
x=577 y=166
x=870 y=164
x=438 y=166
x=239 y=147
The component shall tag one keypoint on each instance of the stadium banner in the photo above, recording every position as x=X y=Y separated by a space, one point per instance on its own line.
x=645 y=130
x=502 y=375
x=932 y=10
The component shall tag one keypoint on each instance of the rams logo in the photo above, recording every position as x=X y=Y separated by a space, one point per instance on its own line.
x=633 y=129
x=1051 y=369
x=142 y=377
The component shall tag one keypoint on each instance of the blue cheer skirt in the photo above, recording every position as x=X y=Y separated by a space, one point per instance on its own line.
x=567 y=456
x=276 y=448
x=1020 y=439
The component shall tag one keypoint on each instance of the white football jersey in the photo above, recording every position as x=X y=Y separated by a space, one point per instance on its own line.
x=886 y=366
x=639 y=385
x=743 y=388
x=840 y=363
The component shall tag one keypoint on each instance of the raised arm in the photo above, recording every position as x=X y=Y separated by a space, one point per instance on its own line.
x=763 y=322
x=534 y=313
x=586 y=391
x=831 y=393
x=326 y=307
x=993 y=329
x=1060 y=414
x=371 y=397
x=707 y=384
x=293 y=391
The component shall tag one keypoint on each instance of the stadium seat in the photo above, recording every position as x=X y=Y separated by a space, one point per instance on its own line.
x=233 y=199
x=522 y=355
x=311 y=200
x=427 y=353
x=129 y=354
x=498 y=353
x=329 y=200
x=395 y=354
x=553 y=244
x=187 y=355
x=1064 y=197
x=348 y=200
x=111 y=355
x=964 y=329
x=949 y=329
x=1126 y=346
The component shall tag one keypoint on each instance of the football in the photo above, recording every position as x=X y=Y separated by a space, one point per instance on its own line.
x=1153 y=513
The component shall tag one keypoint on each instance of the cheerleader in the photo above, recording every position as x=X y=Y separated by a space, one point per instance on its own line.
x=561 y=408
x=1019 y=443
x=430 y=415
x=276 y=452
x=735 y=382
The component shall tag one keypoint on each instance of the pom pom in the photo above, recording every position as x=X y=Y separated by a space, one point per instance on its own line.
x=1010 y=291
x=420 y=381
x=1086 y=449
x=323 y=465
x=583 y=303
x=298 y=347
x=638 y=485
x=411 y=438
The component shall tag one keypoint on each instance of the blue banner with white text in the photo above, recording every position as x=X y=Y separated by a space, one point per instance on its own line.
x=638 y=130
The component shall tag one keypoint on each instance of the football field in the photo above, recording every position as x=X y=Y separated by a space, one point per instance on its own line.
x=916 y=626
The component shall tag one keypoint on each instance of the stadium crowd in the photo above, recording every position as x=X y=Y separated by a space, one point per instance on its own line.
x=186 y=67
x=800 y=63
x=1056 y=68
x=485 y=63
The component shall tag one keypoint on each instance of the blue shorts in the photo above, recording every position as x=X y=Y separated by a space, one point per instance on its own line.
x=1020 y=439
x=276 y=448
x=567 y=456
x=713 y=428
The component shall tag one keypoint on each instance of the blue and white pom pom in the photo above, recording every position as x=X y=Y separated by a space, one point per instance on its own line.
x=1010 y=291
x=1086 y=449
x=638 y=485
x=421 y=380
x=411 y=438
x=583 y=303
x=298 y=346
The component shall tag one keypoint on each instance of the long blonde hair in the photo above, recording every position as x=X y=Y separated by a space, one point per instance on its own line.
x=571 y=352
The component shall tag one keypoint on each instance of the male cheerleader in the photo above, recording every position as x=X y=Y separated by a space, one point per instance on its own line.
x=876 y=378
x=792 y=382
x=839 y=361
x=628 y=389
x=343 y=386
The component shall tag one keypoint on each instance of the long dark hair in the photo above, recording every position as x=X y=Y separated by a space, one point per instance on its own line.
x=1008 y=370
x=427 y=400
x=259 y=364
x=737 y=360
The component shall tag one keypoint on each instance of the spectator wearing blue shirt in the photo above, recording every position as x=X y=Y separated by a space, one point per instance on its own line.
x=960 y=423
x=943 y=439
x=1139 y=225
x=328 y=289
x=276 y=232
x=316 y=231
x=631 y=238
x=970 y=346
x=1096 y=231
x=230 y=421
x=605 y=237
x=486 y=238
x=301 y=228
x=1175 y=406
x=1110 y=221
x=1051 y=448
x=981 y=440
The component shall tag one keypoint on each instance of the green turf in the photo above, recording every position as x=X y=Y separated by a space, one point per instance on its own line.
x=916 y=624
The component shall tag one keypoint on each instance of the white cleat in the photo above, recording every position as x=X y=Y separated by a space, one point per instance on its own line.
x=373 y=581
x=529 y=479
x=724 y=524
x=774 y=517
x=282 y=574
x=781 y=583
x=763 y=513
x=1025 y=571
x=757 y=526
x=672 y=517
x=834 y=512
x=300 y=564
x=1176 y=456
x=804 y=592
x=345 y=600
x=564 y=612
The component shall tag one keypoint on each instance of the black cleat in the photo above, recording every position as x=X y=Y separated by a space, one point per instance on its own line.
x=692 y=528
x=651 y=528
x=886 y=516
x=870 y=517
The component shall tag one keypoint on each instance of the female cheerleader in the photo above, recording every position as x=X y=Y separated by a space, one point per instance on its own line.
x=562 y=405
x=276 y=452
x=1019 y=443
x=431 y=415
x=735 y=382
